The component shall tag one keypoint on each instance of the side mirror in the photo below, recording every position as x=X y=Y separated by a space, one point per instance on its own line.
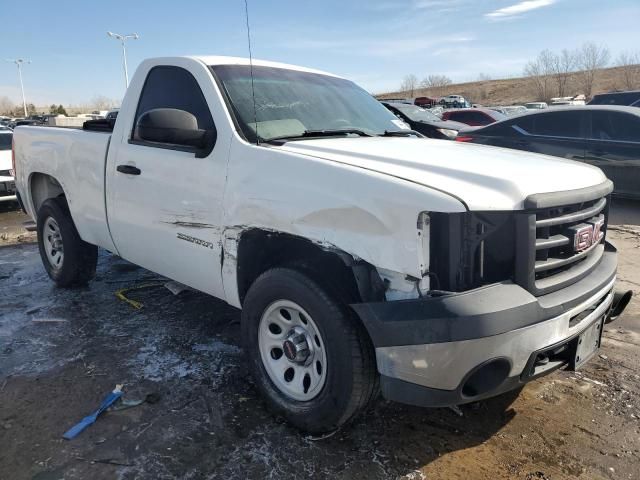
x=174 y=127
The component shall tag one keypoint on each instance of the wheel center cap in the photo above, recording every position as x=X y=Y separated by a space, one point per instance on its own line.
x=289 y=349
x=295 y=347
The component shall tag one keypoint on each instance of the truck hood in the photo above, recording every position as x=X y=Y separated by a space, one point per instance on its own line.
x=482 y=177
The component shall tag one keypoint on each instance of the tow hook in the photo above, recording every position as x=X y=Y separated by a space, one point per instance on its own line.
x=620 y=302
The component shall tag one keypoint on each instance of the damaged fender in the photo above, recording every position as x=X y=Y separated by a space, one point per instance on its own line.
x=370 y=216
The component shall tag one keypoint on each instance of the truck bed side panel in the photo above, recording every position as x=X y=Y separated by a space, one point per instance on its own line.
x=76 y=159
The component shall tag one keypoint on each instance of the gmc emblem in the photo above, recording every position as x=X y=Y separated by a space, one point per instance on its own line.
x=587 y=234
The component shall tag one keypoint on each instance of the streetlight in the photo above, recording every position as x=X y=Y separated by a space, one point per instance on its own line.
x=19 y=62
x=122 y=39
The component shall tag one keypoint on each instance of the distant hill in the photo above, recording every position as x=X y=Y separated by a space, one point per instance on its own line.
x=514 y=91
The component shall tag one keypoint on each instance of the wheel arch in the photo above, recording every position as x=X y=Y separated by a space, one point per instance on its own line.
x=43 y=186
x=351 y=279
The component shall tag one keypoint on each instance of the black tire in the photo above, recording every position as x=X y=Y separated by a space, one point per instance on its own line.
x=78 y=264
x=348 y=389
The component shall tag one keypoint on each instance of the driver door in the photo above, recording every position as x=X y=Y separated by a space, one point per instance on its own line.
x=164 y=202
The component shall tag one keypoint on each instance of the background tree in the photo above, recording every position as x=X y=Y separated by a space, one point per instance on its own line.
x=562 y=65
x=61 y=111
x=590 y=58
x=540 y=71
x=629 y=63
x=435 y=83
x=100 y=102
x=409 y=84
x=6 y=106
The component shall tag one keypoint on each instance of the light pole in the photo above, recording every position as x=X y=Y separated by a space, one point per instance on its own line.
x=122 y=39
x=19 y=62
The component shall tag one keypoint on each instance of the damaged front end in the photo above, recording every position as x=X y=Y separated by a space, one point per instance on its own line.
x=509 y=298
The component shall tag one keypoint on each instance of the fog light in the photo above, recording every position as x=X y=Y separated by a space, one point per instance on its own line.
x=486 y=377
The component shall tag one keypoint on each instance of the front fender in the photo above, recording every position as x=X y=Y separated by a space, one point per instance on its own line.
x=370 y=215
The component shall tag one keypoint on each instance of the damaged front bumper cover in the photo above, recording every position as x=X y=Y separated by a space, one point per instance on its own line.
x=463 y=347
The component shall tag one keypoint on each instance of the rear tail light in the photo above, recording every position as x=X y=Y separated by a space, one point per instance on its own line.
x=13 y=157
x=464 y=138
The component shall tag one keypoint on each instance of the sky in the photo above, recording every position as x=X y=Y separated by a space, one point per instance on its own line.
x=375 y=42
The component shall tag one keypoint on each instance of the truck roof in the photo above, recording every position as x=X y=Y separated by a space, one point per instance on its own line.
x=223 y=60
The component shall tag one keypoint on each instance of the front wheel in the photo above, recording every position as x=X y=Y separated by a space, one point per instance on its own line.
x=68 y=260
x=310 y=358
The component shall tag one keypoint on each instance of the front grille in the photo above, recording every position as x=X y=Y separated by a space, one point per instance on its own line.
x=568 y=243
x=542 y=248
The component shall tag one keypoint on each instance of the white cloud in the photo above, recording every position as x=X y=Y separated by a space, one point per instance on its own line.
x=518 y=9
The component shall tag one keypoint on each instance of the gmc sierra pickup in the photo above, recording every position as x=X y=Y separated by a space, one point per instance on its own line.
x=363 y=256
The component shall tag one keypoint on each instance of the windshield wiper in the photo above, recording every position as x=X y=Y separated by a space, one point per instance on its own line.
x=318 y=134
x=401 y=133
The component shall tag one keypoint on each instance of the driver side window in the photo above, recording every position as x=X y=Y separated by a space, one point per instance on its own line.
x=172 y=87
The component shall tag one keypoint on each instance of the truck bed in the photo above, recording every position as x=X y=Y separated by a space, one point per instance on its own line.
x=76 y=159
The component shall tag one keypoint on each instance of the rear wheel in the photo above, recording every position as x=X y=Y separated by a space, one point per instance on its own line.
x=313 y=361
x=68 y=260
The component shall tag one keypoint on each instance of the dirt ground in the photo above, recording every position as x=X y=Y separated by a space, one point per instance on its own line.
x=62 y=351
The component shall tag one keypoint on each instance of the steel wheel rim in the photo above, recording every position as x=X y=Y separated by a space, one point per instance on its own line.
x=299 y=378
x=52 y=241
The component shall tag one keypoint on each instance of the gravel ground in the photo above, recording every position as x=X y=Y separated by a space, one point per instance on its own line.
x=62 y=351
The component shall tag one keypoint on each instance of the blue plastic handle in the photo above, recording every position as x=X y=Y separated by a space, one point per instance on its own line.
x=89 y=419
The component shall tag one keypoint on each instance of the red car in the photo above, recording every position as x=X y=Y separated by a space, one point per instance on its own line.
x=425 y=102
x=475 y=117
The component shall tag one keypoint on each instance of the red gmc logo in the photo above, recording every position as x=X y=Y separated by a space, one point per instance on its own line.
x=587 y=234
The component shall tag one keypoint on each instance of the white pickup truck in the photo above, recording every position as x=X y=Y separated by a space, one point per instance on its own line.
x=363 y=256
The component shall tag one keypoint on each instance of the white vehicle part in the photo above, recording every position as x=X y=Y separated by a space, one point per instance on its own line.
x=366 y=214
x=5 y=164
x=169 y=218
x=76 y=160
x=5 y=157
x=483 y=177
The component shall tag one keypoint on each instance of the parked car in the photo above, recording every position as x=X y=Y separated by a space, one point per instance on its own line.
x=562 y=101
x=112 y=114
x=536 y=105
x=360 y=255
x=607 y=137
x=566 y=103
x=425 y=102
x=7 y=181
x=510 y=110
x=473 y=116
x=454 y=101
x=22 y=123
x=424 y=121
x=630 y=98
x=437 y=111
x=408 y=101
x=501 y=110
x=515 y=110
